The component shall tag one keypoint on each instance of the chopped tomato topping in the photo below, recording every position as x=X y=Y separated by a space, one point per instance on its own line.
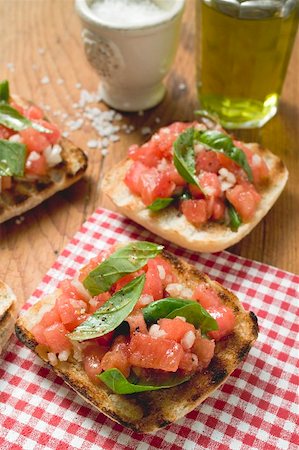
x=37 y=166
x=204 y=350
x=188 y=362
x=154 y=353
x=117 y=357
x=97 y=301
x=55 y=134
x=34 y=140
x=225 y=319
x=93 y=355
x=206 y=295
x=245 y=199
x=153 y=283
x=133 y=177
x=126 y=279
x=155 y=184
x=208 y=161
x=175 y=329
x=56 y=339
x=33 y=113
x=137 y=323
x=195 y=211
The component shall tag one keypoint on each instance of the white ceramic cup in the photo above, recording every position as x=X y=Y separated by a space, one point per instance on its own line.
x=132 y=60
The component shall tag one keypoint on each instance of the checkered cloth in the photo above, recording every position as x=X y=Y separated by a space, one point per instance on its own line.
x=255 y=409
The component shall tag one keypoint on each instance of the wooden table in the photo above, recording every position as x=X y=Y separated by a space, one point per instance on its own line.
x=42 y=38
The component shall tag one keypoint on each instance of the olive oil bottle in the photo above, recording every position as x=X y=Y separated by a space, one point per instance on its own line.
x=242 y=58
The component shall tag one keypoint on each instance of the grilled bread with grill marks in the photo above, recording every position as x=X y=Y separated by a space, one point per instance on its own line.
x=9 y=309
x=148 y=411
x=26 y=193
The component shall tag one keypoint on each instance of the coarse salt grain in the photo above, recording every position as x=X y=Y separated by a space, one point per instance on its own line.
x=60 y=81
x=146 y=130
x=93 y=143
x=45 y=80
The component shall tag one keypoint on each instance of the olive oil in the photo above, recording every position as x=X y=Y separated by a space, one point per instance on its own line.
x=241 y=63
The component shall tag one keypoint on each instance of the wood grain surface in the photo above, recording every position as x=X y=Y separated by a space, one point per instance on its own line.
x=42 y=38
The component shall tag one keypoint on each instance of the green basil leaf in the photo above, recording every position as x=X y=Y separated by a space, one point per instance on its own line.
x=11 y=118
x=197 y=315
x=162 y=308
x=110 y=315
x=126 y=260
x=184 y=158
x=12 y=158
x=160 y=203
x=4 y=91
x=235 y=219
x=115 y=380
x=222 y=143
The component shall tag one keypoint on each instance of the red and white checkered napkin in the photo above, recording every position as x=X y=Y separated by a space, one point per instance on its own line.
x=255 y=409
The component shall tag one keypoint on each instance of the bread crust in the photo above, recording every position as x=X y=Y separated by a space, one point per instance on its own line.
x=27 y=195
x=9 y=309
x=148 y=411
x=173 y=226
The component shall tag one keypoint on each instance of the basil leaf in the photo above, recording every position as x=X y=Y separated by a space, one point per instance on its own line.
x=115 y=380
x=184 y=158
x=12 y=158
x=222 y=143
x=235 y=219
x=162 y=308
x=4 y=91
x=194 y=313
x=112 y=313
x=160 y=203
x=11 y=118
x=126 y=260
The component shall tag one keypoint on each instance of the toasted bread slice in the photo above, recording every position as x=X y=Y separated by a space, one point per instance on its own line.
x=148 y=411
x=8 y=313
x=173 y=226
x=26 y=193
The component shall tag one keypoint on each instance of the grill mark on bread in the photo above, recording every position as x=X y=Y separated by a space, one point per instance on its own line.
x=145 y=412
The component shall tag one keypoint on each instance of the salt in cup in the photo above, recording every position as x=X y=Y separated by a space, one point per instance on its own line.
x=131 y=45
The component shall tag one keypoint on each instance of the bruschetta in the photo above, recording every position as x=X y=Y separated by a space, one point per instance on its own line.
x=35 y=160
x=9 y=309
x=196 y=186
x=140 y=334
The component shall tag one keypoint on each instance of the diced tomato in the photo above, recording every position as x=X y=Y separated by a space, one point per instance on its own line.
x=154 y=184
x=260 y=170
x=218 y=209
x=137 y=323
x=174 y=175
x=93 y=355
x=33 y=113
x=38 y=333
x=175 y=329
x=210 y=183
x=117 y=357
x=165 y=270
x=206 y=295
x=208 y=161
x=228 y=163
x=97 y=301
x=5 y=182
x=106 y=339
x=204 y=349
x=55 y=336
x=188 y=362
x=37 y=166
x=5 y=132
x=34 y=140
x=195 y=211
x=50 y=317
x=154 y=353
x=225 y=319
x=69 y=290
x=245 y=199
x=133 y=177
x=146 y=154
x=153 y=283
x=126 y=279
x=55 y=134
x=72 y=312
x=94 y=262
